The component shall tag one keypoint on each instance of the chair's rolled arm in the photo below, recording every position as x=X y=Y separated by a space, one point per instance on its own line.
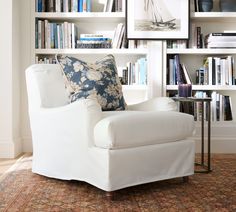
x=73 y=121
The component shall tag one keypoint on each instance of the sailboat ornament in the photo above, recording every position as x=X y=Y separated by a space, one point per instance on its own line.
x=162 y=18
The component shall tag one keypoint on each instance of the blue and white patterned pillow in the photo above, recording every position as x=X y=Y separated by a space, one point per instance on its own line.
x=97 y=80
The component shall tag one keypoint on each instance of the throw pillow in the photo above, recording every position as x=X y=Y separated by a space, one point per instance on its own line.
x=97 y=80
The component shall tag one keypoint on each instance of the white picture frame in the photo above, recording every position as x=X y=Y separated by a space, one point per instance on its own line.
x=157 y=19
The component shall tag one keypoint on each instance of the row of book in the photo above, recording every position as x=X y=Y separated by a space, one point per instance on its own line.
x=135 y=73
x=65 y=36
x=94 y=41
x=220 y=40
x=55 y=35
x=177 y=72
x=45 y=60
x=113 y=6
x=221 y=107
x=63 y=5
x=177 y=44
x=217 y=71
x=75 y=6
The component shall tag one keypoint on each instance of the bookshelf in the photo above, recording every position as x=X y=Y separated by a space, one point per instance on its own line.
x=94 y=22
x=193 y=59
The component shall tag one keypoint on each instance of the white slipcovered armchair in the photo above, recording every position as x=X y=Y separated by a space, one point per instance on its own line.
x=110 y=150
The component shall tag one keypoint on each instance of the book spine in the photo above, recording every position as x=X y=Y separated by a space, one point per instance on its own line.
x=81 y=5
x=39 y=34
x=88 y=6
x=84 y=6
x=40 y=6
x=42 y=35
x=36 y=35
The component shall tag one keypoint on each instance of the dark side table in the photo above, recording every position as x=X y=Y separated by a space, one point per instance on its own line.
x=206 y=168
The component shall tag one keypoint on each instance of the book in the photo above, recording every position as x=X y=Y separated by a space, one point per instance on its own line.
x=178 y=69
x=186 y=74
x=221 y=36
x=221 y=44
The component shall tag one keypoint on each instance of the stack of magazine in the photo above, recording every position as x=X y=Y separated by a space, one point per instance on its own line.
x=93 y=41
x=221 y=40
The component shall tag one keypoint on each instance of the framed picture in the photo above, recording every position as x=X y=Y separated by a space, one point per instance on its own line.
x=157 y=19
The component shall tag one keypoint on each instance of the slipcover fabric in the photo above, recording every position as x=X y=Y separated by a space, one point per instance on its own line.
x=64 y=140
x=138 y=128
x=98 y=80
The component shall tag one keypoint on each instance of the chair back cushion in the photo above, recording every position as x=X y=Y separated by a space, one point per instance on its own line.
x=98 y=80
x=45 y=86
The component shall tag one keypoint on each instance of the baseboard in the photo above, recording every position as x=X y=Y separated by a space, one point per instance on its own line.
x=10 y=148
x=218 y=145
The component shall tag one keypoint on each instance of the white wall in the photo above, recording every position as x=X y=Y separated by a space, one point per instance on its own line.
x=10 y=143
x=26 y=49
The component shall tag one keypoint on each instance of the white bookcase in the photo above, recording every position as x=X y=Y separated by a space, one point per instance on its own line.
x=222 y=131
x=95 y=22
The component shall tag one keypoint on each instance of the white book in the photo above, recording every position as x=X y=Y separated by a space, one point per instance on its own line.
x=121 y=35
x=58 y=37
x=219 y=44
x=58 y=6
x=116 y=35
x=217 y=71
x=186 y=74
x=39 y=34
x=171 y=71
x=74 y=6
x=223 y=71
x=210 y=68
x=213 y=106
x=109 y=5
x=131 y=44
x=230 y=69
x=73 y=36
x=69 y=34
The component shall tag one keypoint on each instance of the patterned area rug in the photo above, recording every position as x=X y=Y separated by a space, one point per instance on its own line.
x=21 y=190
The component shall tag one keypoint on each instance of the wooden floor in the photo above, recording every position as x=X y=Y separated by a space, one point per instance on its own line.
x=5 y=164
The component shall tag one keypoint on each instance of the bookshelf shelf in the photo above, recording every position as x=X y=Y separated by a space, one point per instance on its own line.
x=202 y=51
x=134 y=87
x=214 y=16
x=92 y=51
x=88 y=17
x=205 y=87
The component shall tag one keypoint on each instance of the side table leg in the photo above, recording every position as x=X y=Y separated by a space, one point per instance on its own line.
x=202 y=139
x=209 y=136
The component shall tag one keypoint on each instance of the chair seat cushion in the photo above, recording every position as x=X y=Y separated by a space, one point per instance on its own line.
x=138 y=128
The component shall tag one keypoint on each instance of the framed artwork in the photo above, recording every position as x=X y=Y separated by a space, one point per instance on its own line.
x=157 y=19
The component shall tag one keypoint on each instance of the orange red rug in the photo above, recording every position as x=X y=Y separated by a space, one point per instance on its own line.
x=21 y=190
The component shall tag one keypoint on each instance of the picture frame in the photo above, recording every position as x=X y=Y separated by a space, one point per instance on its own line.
x=157 y=19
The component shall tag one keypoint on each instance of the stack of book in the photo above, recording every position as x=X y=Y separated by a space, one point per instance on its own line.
x=135 y=73
x=177 y=72
x=221 y=107
x=63 y=5
x=45 y=60
x=177 y=44
x=217 y=71
x=119 y=39
x=221 y=40
x=55 y=35
x=93 y=41
x=113 y=6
